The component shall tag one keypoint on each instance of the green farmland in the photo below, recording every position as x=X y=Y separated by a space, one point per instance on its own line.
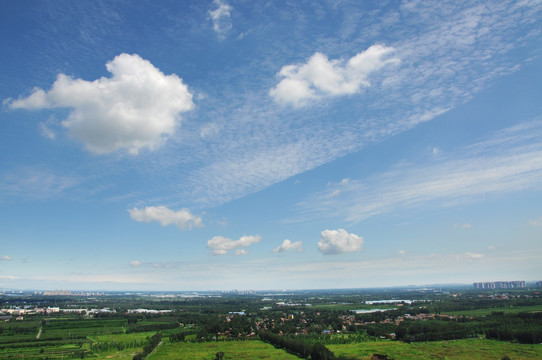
x=508 y=310
x=474 y=349
x=68 y=338
x=239 y=350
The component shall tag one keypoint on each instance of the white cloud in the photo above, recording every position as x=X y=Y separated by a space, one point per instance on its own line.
x=8 y=277
x=34 y=183
x=321 y=77
x=137 y=108
x=6 y=258
x=473 y=255
x=339 y=241
x=47 y=132
x=135 y=263
x=221 y=18
x=508 y=161
x=182 y=218
x=288 y=245
x=537 y=222
x=462 y=226
x=221 y=245
x=428 y=83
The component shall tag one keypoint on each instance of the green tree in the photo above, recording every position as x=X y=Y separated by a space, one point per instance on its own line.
x=320 y=352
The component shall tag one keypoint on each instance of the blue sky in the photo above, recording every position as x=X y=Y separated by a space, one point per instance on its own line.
x=202 y=145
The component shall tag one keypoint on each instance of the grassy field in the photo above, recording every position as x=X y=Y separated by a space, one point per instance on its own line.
x=122 y=338
x=483 y=312
x=238 y=350
x=452 y=350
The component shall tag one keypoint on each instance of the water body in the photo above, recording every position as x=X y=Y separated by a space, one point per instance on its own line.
x=371 y=311
x=372 y=302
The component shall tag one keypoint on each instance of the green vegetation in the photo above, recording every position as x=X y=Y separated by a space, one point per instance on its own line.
x=238 y=350
x=318 y=325
x=473 y=349
x=485 y=312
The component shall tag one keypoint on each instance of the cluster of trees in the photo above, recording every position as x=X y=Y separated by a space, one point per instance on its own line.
x=151 y=327
x=11 y=330
x=177 y=336
x=236 y=325
x=106 y=346
x=149 y=347
x=521 y=327
x=298 y=346
x=524 y=328
x=355 y=338
x=473 y=301
x=432 y=330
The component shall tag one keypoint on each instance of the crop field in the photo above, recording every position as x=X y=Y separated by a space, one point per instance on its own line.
x=238 y=350
x=506 y=310
x=68 y=338
x=79 y=329
x=472 y=349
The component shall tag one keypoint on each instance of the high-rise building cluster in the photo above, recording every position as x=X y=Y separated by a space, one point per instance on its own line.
x=499 y=285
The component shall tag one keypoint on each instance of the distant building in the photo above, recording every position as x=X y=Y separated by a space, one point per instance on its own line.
x=499 y=285
x=57 y=293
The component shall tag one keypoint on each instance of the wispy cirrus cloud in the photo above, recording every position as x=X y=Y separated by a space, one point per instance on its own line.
x=221 y=18
x=510 y=160
x=442 y=64
x=35 y=183
x=453 y=51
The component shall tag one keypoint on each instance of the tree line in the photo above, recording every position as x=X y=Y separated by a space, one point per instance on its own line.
x=149 y=347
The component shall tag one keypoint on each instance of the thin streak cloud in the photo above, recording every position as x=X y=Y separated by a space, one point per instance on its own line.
x=500 y=165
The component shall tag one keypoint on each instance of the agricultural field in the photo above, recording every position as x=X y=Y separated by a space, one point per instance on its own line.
x=66 y=338
x=472 y=349
x=238 y=350
x=507 y=310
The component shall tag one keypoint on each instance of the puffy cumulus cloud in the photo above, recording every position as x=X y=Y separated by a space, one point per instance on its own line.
x=6 y=258
x=288 y=245
x=323 y=77
x=182 y=218
x=339 y=241
x=221 y=245
x=221 y=18
x=135 y=263
x=138 y=107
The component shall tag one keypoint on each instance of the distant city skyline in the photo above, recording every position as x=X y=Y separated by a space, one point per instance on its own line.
x=214 y=145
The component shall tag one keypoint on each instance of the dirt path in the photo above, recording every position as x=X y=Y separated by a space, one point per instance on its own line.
x=39 y=333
